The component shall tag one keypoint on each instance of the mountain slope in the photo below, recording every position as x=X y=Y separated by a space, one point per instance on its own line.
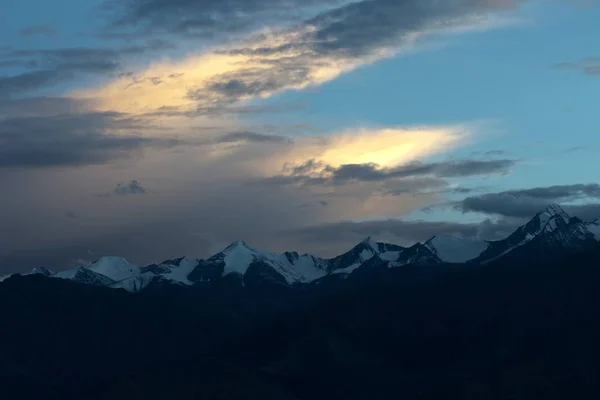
x=491 y=332
x=455 y=250
x=239 y=258
x=116 y=268
x=549 y=233
x=368 y=248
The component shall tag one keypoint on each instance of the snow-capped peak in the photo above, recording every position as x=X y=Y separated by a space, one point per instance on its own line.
x=455 y=250
x=41 y=271
x=555 y=209
x=236 y=245
x=370 y=243
x=237 y=257
x=552 y=217
x=548 y=221
x=116 y=268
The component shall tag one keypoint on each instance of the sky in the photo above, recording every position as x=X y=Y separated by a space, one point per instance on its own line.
x=154 y=129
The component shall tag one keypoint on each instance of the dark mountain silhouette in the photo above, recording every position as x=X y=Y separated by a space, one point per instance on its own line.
x=515 y=328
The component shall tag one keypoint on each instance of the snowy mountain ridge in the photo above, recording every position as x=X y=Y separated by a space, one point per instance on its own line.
x=548 y=232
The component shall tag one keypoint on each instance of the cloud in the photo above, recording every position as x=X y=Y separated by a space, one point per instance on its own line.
x=132 y=187
x=494 y=153
x=234 y=137
x=589 y=66
x=29 y=81
x=308 y=53
x=38 y=30
x=41 y=106
x=72 y=139
x=206 y=191
x=208 y=18
x=48 y=67
x=209 y=188
x=204 y=19
x=336 y=237
x=527 y=202
x=574 y=149
x=560 y=192
x=408 y=176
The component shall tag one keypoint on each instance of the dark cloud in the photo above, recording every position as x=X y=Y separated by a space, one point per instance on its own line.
x=41 y=106
x=46 y=68
x=252 y=137
x=527 y=202
x=29 y=64
x=503 y=204
x=30 y=81
x=237 y=88
x=226 y=89
x=589 y=66
x=349 y=26
x=314 y=172
x=462 y=190
x=38 y=30
x=202 y=19
x=587 y=212
x=574 y=149
x=349 y=32
x=400 y=231
x=310 y=35
x=70 y=140
x=455 y=169
x=357 y=28
x=494 y=153
x=131 y=187
x=559 y=192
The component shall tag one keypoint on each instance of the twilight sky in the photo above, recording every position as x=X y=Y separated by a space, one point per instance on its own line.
x=153 y=129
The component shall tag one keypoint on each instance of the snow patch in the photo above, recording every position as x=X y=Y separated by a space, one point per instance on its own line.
x=238 y=258
x=179 y=273
x=135 y=283
x=455 y=250
x=367 y=254
x=390 y=255
x=67 y=274
x=116 y=268
x=371 y=243
x=347 y=270
x=550 y=217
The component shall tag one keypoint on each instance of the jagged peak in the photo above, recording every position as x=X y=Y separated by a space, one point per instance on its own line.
x=551 y=218
x=236 y=244
x=42 y=271
x=555 y=209
x=111 y=259
x=369 y=242
x=239 y=245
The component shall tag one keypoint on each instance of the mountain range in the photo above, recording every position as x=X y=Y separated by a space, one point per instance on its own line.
x=550 y=234
x=445 y=319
